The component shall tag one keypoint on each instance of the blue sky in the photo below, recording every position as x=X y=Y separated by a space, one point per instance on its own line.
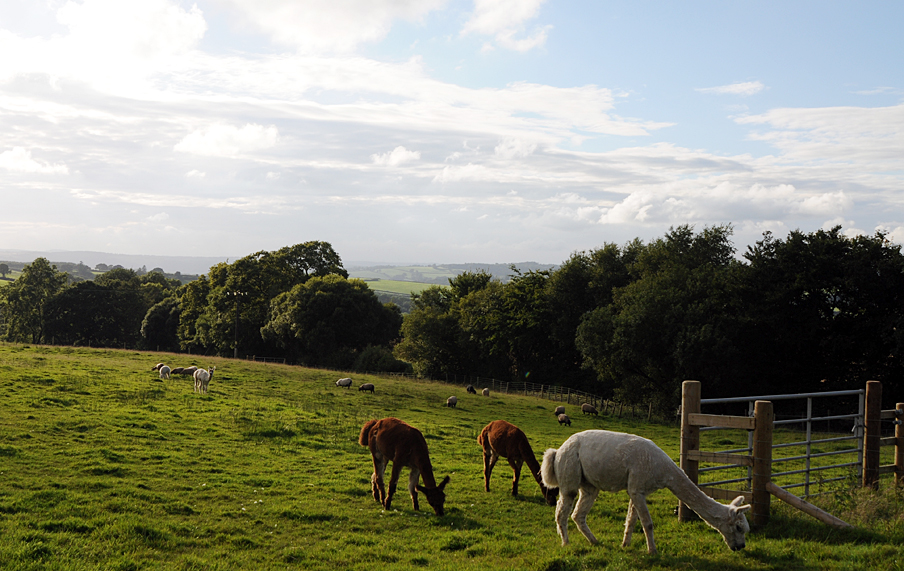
x=443 y=131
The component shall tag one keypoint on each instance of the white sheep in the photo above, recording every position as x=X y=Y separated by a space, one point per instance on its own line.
x=559 y=410
x=202 y=379
x=346 y=382
x=163 y=370
x=588 y=408
x=486 y=392
x=451 y=402
x=596 y=460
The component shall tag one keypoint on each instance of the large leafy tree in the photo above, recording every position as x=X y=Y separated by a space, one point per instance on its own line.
x=676 y=320
x=328 y=320
x=27 y=298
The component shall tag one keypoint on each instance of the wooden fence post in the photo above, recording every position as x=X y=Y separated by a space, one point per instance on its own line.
x=872 y=438
x=899 y=444
x=762 y=461
x=690 y=440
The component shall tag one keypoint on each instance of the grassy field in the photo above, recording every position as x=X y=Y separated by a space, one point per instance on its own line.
x=104 y=466
x=395 y=286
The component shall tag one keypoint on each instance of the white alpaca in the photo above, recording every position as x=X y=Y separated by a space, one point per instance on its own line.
x=202 y=379
x=596 y=460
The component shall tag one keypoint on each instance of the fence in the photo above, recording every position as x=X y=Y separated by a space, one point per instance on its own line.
x=760 y=447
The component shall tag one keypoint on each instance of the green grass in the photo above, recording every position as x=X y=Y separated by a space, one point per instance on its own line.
x=395 y=286
x=104 y=466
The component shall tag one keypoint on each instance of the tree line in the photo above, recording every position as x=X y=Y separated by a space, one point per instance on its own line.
x=813 y=312
x=810 y=312
x=296 y=303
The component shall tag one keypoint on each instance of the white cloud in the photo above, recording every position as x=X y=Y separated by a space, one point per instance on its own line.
x=396 y=157
x=329 y=25
x=19 y=160
x=194 y=173
x=745 y=88
x=160 y=217
x=514 y=148
x=228 y=141
x=504 y=19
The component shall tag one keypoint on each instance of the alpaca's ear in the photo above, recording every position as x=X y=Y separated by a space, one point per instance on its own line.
x=736 y=505
x=443 y=483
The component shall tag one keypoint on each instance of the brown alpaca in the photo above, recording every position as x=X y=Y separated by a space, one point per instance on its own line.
x=501 y=438
x=391 y=440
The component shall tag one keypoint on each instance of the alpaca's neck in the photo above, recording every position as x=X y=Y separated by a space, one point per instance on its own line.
x=422 y=461
x=707 y=508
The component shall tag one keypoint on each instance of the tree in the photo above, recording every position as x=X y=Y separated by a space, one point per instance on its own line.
x=4 y=269
x=26 y=300
x=160 y=327
x=327 y=320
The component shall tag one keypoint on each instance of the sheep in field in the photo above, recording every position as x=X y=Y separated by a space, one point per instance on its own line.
x=486 y=392
x=163 y=370
x=588 y=408
x=559 y=410
x=202 y=379
x=563 y=419
x=367 y=387
x=503 y=439
x=391 y=440
x=451 y=402
x=471 y=390
x=596 y=460
x=190 y=371
x=346 y=382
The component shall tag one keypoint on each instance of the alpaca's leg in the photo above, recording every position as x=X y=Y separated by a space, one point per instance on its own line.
x=412 y=487
x=563 y=509
x=630 y=521
x=640 y=505
x=516 y=469
x=376 y=480
x=585 y=502
x=393 y=481
x=489 y=462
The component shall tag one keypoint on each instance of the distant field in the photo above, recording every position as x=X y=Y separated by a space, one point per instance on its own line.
x=407 y=273
x=396 y=286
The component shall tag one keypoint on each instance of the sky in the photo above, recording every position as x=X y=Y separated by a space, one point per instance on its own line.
x=444 y=131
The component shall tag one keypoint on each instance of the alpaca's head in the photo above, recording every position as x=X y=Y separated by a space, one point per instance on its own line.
x=436 y=497
x=734 y=529
x=550 y=494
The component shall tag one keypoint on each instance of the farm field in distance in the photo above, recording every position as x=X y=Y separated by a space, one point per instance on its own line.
x=105 y=466
x=395 y=286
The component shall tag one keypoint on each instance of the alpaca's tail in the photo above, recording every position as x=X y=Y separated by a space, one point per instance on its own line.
x=548 y=469
x=364 y=438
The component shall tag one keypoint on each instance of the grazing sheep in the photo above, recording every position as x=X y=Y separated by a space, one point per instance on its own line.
x=451 y=402
x=588 y=408
x=190 y=371
x=346 y=382
x=391 y=440
x=163 y=370
x=559 y=410
x=596 y=460
x=486 y=392
x=471 y=390
x=503 y=439
x=563 y=419
x=202 y=379
x=367 y=387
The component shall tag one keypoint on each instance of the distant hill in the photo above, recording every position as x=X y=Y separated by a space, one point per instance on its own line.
x=440 y=273
x=190 y=265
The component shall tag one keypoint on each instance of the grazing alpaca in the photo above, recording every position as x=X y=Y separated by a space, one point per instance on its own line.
x=346 y=382
x=596 y=460
x=501 y=438
x=588 y=408
x=486 y=392
x=367 y=387
x=202 y=379
x=559 y=410
x=471 y=390
x=451 y=402
x=190 y=371
x=391 y=440
x=163 y=369
x=563 y=419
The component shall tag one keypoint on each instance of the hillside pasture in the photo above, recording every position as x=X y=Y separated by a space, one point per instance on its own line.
x=105 y=466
